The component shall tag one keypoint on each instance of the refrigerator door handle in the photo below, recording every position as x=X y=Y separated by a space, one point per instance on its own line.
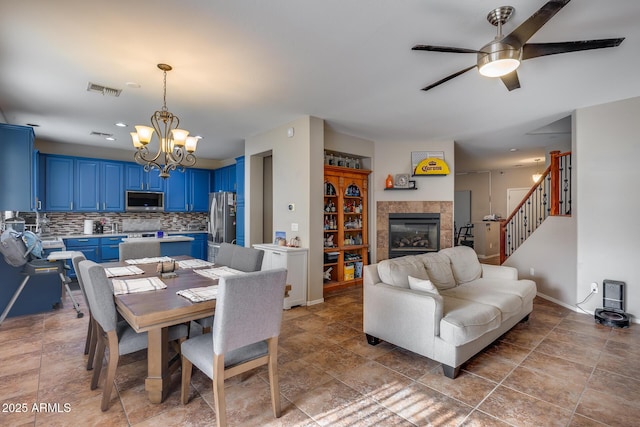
x=212 y=219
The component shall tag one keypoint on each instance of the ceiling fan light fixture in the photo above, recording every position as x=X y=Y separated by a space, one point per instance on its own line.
x=498 y=59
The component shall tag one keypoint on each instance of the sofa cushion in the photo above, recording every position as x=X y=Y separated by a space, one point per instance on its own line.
x=396 y=271
x=422 y=285
x=524 y=288
x=438 y=269
x=497 y=293
x=463 y=321
x=464 y=263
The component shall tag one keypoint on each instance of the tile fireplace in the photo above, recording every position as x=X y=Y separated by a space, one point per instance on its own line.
x=413 y=233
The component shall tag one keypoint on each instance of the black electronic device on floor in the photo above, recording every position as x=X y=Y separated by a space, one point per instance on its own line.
x=612 y=313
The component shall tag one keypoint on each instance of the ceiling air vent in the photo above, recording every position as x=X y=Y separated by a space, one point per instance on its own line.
x=102 y=134
x=92 y=87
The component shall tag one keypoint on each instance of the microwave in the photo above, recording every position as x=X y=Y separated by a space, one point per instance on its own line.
x=144 y=201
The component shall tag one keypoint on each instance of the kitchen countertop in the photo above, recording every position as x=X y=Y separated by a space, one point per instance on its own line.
x=166 y=239
x=85 y=236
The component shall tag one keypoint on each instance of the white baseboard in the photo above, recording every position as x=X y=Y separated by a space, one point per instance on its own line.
x=633 y=319
x=314 y=302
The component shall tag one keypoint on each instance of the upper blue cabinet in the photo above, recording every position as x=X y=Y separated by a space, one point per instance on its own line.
x=77 y=184
x=188 y=191
x=137 y=179
x=59 y=172
x=16 y=168
x=224 y=179
x=83 y=185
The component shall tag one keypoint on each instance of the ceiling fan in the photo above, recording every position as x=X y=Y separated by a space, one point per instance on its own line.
x=502 y=56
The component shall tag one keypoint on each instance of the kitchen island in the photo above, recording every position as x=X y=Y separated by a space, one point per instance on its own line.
x=171 y=245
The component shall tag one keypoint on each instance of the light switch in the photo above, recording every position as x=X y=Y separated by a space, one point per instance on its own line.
x=294 y=226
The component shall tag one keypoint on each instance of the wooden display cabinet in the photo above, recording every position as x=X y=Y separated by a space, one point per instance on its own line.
x=346 y=240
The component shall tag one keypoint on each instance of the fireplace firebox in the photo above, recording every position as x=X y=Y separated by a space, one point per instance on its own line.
x=413 y=233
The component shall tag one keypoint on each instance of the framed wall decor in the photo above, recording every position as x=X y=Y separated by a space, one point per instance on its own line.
x=401 y=180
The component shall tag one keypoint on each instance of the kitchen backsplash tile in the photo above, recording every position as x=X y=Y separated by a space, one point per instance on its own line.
x=66 y=223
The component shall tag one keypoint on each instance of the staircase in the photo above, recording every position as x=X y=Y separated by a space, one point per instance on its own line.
x=550 y=196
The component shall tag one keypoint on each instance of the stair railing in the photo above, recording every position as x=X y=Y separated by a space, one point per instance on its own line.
x=550 y=196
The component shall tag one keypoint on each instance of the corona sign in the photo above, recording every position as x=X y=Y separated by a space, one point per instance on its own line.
x=431 y=166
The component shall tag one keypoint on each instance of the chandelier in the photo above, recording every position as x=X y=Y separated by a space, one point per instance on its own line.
x=175 y=148
x=536 y=176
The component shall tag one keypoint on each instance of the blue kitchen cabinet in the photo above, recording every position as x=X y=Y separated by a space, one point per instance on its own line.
x=87 y=185
x=224 y=179
x=199 y=188
x=188 y=191
x=112 y=183
x=110 y=248
x=37 y=185
x=59 y=177
x=137 y=179
x=98 y=186
x=240 y=202
x=175 y=248
x=199 y=245
x=175 y=198
x=16 y=163
x=89 y=246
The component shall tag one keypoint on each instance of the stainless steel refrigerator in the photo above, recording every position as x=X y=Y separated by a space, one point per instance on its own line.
x=222 y=217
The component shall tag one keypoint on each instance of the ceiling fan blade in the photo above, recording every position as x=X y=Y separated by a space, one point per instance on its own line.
x=528 y=28
x=534 y=50
x=443 y=49
x=511 y=81
x=446 y=79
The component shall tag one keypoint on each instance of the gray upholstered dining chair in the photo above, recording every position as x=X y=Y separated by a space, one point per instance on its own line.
x=225 y=254
x=90 y=343
x=118 y=337
x=238 y=258
x=143 y=249
x=245 y=335
x=247 y=259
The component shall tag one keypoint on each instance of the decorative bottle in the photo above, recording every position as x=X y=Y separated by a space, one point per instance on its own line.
x=389 y=181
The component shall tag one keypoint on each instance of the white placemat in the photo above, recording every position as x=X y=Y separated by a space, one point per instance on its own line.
x=123 y=271
x=151 y=260
x=130 y=286
x=194 y=263
x=200 y=294
x=218 y=272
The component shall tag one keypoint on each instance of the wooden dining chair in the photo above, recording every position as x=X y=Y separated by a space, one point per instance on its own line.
x=245 y=334
x=118 y=337
x=143 y=249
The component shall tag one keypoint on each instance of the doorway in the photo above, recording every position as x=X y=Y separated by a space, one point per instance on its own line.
x=514 y=197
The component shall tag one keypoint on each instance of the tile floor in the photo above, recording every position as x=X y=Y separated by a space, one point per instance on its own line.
x=558 y=369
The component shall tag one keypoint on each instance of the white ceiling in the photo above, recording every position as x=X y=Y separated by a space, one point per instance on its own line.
x=243 y=67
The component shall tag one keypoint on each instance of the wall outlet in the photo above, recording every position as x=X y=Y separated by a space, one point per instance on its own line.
x=532 y=272
x=594 y=287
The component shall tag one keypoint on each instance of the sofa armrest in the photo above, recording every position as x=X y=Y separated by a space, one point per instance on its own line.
x=499 y=272
x=407 y=318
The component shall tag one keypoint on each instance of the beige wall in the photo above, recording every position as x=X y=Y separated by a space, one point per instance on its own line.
x=489 y=189
x=393 y=157
x=297 y=163
x=607 y=202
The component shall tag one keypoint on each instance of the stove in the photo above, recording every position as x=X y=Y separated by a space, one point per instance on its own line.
x=142 y=234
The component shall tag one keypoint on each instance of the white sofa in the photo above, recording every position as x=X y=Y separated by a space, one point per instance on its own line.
x=470 y=306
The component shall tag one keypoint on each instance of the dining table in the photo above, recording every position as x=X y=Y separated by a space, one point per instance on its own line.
x=155 y=311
